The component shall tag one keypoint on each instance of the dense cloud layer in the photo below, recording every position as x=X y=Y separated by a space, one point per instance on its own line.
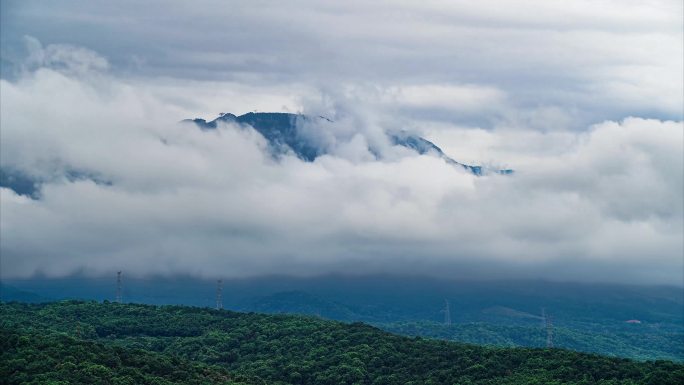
x=529 y=63
x=603 y=204
x=583 y=100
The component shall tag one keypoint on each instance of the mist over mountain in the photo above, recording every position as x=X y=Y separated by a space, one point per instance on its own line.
x=111 y=186
x=586 y=317
x=426 y=191
x=386 y=153
x=285 y=133
x=293 y=132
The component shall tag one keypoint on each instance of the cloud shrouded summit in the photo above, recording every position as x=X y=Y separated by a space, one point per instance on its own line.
x=589 y=117
x=308 y=138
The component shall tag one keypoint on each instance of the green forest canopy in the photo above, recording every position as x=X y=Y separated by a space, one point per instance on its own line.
x=89 y=342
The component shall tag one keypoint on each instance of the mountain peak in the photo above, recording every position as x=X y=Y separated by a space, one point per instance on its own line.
x=281 y=130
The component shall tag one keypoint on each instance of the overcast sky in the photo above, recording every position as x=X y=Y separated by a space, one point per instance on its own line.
x=584 y=99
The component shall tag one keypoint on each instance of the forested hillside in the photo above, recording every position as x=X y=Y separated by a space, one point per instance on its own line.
x=89 y=342
x=586 y=317
x=638 y=341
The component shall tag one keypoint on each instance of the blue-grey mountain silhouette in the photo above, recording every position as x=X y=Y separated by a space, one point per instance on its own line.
x=282 y=133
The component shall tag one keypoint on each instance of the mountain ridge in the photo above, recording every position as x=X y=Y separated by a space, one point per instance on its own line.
x=281 y=131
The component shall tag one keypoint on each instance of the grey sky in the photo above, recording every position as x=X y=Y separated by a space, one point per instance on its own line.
x=593 y=60
x=584 y=99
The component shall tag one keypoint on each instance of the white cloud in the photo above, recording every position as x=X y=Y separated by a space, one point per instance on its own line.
x=604 y=204
x=65 y=57
x=583 y=99
x=463 y=98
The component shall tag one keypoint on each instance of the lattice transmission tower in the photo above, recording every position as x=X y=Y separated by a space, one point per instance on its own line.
x=118 y=287
x=447 y=312
x=549 y=331
x=219 y=294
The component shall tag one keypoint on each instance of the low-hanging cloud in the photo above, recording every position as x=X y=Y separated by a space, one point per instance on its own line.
x=602 y=204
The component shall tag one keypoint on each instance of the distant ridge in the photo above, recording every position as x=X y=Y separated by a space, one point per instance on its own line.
x=280 y=130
